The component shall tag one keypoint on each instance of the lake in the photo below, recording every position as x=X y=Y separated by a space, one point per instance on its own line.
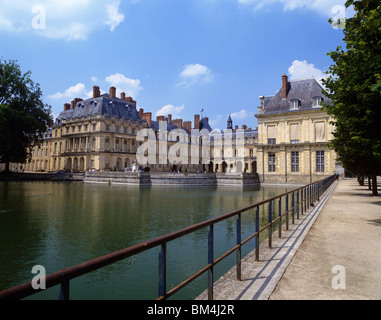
x=62 y=224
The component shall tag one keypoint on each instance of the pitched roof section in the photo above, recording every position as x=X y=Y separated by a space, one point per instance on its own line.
x=102 y=105
x=303 y=90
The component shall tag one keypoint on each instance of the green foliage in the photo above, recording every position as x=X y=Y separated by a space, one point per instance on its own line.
x=23 y=115
x=354 y=86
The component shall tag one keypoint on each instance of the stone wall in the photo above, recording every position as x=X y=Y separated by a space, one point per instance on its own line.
x=156 y=178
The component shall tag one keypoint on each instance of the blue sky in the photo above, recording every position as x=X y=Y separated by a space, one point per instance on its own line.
x=171 y=56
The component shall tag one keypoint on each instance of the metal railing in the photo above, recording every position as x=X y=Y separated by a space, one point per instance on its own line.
x=301 y=199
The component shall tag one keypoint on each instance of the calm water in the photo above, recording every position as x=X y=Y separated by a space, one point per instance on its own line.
x=59 y=225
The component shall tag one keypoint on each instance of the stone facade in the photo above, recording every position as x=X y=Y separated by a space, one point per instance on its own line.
x=109 y=133
x=294 y=134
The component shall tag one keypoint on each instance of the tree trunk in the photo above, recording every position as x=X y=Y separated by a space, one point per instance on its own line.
x=7 y=166
x=374 y=184
x=361 y=180
x=369 y=183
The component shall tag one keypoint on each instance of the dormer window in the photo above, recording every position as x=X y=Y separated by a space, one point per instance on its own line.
x=294 y=104
x=316 y=101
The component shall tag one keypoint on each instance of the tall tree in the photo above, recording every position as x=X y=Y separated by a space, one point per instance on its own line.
x=354 y=86
x=23 y=115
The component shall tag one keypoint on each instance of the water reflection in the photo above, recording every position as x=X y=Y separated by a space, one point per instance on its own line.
x=59 y=225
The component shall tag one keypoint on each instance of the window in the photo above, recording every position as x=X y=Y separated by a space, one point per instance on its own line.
x=107 y=127
x=319 y=161
x=316 y=102
x=79 y=128
x=107 y=144
x=93 y=147
x=319 y=131
x=125 y=130
x=94 y=126
x=294 y=133
x=294 y=161
x=86 y=127
x=271 y=162
x=271 y=134
x=117 y=129
x=294 y=104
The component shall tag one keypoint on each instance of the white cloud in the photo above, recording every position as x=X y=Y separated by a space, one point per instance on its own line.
x=170 y=109
x=303 y=70
x=322 y=6
x=63 y=19
x=243 y=114
x=195 y=73
x=131 y=87
x=77 y=91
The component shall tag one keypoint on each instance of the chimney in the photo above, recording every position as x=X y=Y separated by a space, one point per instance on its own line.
x=178 y=123
x=188 y=125
x=72 y=105
x=96 y=92
x=66 y=106
x=141 y=111
x=169 y=119
x=147 y=116
x=236 y=127
x=129 y=99
x=75 y=101
x=123 y=96
x=244 y=126
x=112 y=92
x=207 y=120
x=197 y=121
x=160 y=118
x=284 y=86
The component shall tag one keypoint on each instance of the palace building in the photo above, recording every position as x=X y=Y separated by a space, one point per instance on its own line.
x=102 y=133
x=294 y=134
x=290 y=145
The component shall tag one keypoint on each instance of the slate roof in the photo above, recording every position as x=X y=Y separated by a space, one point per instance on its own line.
x=102 y=105
x=304 y=90
x=203 y=125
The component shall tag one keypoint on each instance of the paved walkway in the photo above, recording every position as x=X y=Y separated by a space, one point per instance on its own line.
x=346 y=234
x=342 y=231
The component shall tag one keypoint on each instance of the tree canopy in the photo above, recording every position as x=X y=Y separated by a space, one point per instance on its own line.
x=354 y=87
x=23 y=115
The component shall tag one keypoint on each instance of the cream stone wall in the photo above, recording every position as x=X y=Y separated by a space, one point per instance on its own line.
x=307 y=146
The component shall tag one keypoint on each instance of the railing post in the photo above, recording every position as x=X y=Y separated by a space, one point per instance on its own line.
x=270 y=226
x=257 y=236
x=210 y=262
x=298 y=204
x=64 y=291
x=287 y=211
x=302 y=200
x=239 y=248
x=293 y=208
x=163 y=270
x=280 y=217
